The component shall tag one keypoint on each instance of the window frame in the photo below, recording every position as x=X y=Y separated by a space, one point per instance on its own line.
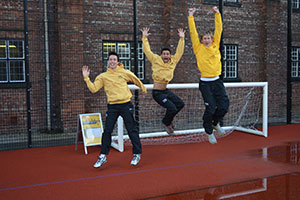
x=216 y=2
x=297 y=61
x=297 y=9
x=9 y=60
x=225 y=59
x=129 y=59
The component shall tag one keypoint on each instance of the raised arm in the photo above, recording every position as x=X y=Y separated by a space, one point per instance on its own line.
x=218 y=25
x=93 y=87
x=131 y=77
x=193 y=31
x=150 y=55
x=85 y=71
x=180 y=46
x=192 y=11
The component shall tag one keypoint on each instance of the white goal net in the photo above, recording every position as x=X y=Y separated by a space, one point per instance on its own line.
x=247 y=113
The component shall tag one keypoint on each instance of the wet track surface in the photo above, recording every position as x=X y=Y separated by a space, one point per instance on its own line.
x=281 y=187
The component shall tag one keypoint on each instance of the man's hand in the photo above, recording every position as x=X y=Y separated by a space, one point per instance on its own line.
x=192 y=11
x=181 y=32
x=215 y=9
x=85 y=71
x=143 y=96
x=145 y=31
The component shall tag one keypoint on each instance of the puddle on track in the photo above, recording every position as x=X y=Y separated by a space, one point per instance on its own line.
x=281 y=187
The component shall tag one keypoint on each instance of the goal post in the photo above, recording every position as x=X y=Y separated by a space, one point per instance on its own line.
x=264 y=85
x=248 y=110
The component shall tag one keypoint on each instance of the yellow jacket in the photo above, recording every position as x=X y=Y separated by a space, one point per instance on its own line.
x=115 y=84
x=208 y=58
x=163 y=72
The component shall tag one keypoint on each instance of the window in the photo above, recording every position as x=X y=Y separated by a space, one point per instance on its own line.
x=296 y=4
x=126 y=55
x=225 y=1
x=230 y=1
x=230 y=61
x=295 y=69
x=12 y=63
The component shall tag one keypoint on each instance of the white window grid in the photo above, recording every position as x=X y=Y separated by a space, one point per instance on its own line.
x=3 y=71
x=16 y=49
x=230 y=61
x=225 y=1
x=141 y=61
x=125 y=51
x=231 y=1
x=12 y=63
x=108 y=47
x=17 y=71
x=296 y=4
x=3 y=49
x=295 y=68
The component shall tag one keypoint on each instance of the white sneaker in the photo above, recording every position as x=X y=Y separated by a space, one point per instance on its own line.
x=101 y=160
x=219 y=129
x=212 y=139
x=136 y=159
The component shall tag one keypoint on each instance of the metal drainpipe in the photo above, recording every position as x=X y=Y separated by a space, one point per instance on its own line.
x=135 y=33
x=47 y=70
x=28 y=84
x=289 y=51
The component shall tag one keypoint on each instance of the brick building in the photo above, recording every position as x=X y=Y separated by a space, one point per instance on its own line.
x=64 y=35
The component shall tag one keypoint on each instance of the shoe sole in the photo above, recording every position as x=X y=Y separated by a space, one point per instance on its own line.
x=100 y=165
x=134 y=164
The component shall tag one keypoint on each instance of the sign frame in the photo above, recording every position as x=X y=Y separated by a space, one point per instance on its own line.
x=117 y=141
x=91 y=127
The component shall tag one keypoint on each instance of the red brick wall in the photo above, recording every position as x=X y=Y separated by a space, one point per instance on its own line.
x=13 y=112
x=70 y=34
x=12 y=102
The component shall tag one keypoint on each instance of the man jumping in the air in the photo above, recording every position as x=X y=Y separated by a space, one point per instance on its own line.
x=209 y=64
x=163 y=67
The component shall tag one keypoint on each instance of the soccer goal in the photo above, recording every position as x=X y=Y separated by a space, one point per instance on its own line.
x=248 y=112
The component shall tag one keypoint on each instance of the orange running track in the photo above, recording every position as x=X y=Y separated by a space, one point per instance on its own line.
x=185 y=171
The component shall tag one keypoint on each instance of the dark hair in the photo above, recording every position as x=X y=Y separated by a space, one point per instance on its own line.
x=165 y=49
x=112 y=53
